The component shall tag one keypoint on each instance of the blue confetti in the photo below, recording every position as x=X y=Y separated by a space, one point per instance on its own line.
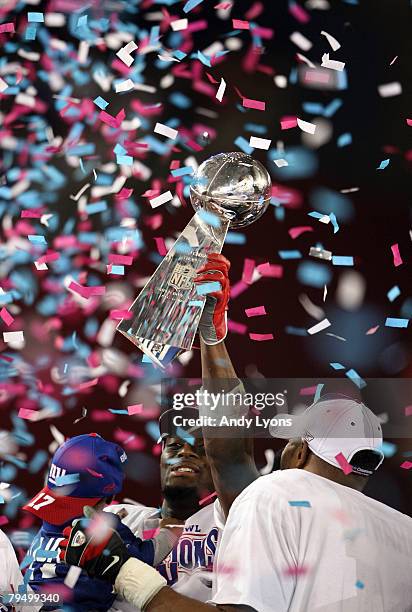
x=96 y=207
x=358 y=584
x=190 y=5
x=342 y=260
x=395 y=322
x=356 y=378
x=344 y=139
x=314 y=274
x=388 y=448
x=296 y=331
x=101 y=102
x=292 y=254
x=393 y=293
x=384 y=164
x=116 y=269
x=205 y=288
x=184 y=435
x=243 y=145
x=336 y=365
x=67 y=479
x=185 y=170
x=318 y=392
x=300 y=504
x=209 y=218
x=235 y=238
x=35 y=17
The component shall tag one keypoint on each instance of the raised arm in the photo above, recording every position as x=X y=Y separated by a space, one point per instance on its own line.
x=231 y=457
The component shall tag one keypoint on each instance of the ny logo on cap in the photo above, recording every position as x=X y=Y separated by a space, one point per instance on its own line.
x=55 y=472
x=79 y=539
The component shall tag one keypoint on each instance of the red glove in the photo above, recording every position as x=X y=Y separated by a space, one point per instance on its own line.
x=213 y=322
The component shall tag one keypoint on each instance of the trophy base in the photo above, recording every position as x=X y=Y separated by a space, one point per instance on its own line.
x=160 y=354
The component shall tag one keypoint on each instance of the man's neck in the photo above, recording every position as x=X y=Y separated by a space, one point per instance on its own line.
x=180 y=507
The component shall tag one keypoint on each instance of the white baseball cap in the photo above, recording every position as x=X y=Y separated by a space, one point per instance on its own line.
x=336 y=426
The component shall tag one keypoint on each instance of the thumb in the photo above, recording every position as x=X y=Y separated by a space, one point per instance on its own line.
x=89 y=512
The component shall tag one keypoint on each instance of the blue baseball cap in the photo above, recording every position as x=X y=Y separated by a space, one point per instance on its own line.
x=83 y=470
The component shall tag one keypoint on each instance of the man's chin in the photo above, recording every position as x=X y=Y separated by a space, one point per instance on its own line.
x=177 y=488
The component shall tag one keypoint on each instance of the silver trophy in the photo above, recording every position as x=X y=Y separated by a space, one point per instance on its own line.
x=229 y=189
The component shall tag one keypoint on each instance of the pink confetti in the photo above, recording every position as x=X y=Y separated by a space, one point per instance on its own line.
x=270 y=271
x=409 y=121
x=87 y=292
x=308 y=390
x=135 y=409
x=117 y=315
x=256 y=104
x=7 y=27
x=161 y=246
x=397 y=259
x=238 y=24
x=237 y=328
x=93 y=473
x=125 y=260
x=286 y=123
x=148 y=534
x=124 y=194
x=406 y=465
x=248 y=268
x=26 y=413
x=261 y=337
x=296 y=570
x=3 y=520
x=299 y=13
x=6 y=316
x=408 y=410
x=87 y=384
x=372 y=330
x=223 y=5
x=204 y=500
x=344 y=465
x=238 y=288
x=294 y=232
x=257 y=311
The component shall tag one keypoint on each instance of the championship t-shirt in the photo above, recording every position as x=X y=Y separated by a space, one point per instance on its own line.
x=188 y=568
x=295 y=541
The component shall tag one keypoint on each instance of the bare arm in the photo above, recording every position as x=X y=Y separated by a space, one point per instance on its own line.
x=231 y=457
x=168 y=600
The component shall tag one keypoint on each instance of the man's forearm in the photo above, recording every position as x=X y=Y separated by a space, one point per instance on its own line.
x=231 y=454
x=168 y=600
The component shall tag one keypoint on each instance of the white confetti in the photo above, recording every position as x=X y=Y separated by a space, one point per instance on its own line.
x=83 y=53
x=335 y=44
x=221 y=90
x=332 y=64
x=3 y=85
x=179 y=24
x=319 y=327
x=301 y=41
x=124 y=53
x=305 y=126
x=124 y=85
x=72 y=576
x=304 y=59
x=15 y=336
x=165 y=130
x=281 y=162
x=161 y=199
x=259 y=143
x=388 y=90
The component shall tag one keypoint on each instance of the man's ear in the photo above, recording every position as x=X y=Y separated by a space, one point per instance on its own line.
x=302 y=455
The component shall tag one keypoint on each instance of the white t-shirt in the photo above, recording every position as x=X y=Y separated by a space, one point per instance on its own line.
x=188 y=568
x=344 y=553
x=10 y=575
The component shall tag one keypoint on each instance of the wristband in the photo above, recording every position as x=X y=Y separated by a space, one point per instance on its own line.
x=137 y=583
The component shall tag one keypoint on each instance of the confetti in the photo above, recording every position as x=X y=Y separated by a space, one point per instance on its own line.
x=179 y=24
x=221 y=91
x=259 y=143
x=300 y=504
x=125 y=53
x=344 y=465
x=319 y=327
x=384 y=164
x=406 y=465
x=161 y=199
x=15 y=336
x=305 y=126
x=164 y=130
x=342 y=260
x=394 y=322
x=392 y=294
x=261 y=337
x=397 y=259
x=257 y=311
x=332 y=64
x=256 y=104
x=388 y=90
x=331 y=40
x=301 y=41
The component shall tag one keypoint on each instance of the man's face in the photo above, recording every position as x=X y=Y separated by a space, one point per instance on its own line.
x=185 y=465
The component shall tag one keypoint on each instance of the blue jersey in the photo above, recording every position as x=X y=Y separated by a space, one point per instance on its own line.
x=88 y=594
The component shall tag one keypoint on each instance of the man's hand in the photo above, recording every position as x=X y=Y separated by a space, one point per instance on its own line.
x=213 y=323
x=98 y=549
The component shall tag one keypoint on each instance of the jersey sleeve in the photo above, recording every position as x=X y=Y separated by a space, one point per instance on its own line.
x=255 y=561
